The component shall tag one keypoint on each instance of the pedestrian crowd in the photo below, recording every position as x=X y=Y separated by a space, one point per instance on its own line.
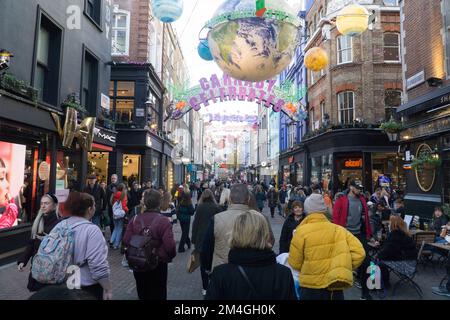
x=323 y=248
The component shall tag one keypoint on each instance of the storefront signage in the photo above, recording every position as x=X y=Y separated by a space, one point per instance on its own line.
x=44 y=171
x=140 y=112
x=415 y=80
x=220 y=89
x=104 y=137
x=149 y=141
x=354 y=163
x=425 y=177
x=105 y=102
x=232 y=118
x=426 y=129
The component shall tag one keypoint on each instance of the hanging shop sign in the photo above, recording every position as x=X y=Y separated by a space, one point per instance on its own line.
x=354 y=163
x=44 y=171
x=285 y=98
x=105 y=137
x=105 y=101
x=231 y=118
x=425 y=177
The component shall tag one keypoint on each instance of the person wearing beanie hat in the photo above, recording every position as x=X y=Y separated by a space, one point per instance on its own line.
x=324 y=253
x=315 y=204
x=47 y=218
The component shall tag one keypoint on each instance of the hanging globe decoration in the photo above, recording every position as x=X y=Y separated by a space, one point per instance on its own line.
x=352 y=20
x=203 y=51
x=316 y=59
x=251 y=45
x=167 y=10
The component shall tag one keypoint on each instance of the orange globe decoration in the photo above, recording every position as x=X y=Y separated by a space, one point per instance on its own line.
x=290 y=106
x=180 y=105
x=316 y=59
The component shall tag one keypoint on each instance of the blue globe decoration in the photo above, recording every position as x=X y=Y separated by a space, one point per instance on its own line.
x=204 y=52
x=167 y=10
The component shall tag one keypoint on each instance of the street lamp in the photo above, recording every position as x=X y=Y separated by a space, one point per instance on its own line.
x=185 y=160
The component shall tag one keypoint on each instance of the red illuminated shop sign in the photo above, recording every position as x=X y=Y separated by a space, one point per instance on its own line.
x=352 y=163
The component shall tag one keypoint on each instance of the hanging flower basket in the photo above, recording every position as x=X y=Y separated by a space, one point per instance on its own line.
x=11 y=84
x=391 y=126
x=427 y=162
x=73 y=101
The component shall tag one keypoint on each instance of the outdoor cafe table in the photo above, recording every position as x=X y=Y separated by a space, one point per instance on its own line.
x=444 y=247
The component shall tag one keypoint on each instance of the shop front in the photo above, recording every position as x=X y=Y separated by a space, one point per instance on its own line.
x=27 y=169
x=292 y=168
x=363 y=155
x=99 y=157
x=425 y=145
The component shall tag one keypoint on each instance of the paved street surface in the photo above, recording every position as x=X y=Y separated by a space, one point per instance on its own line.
x=184 y=286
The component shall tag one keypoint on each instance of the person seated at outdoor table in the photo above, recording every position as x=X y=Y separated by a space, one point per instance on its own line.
x=439 y=220
x=399 y=208
x=375 y=218
x=398 y=246
x=385 y=211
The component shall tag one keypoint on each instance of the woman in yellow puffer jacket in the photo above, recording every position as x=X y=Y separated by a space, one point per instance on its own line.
x=324 y=253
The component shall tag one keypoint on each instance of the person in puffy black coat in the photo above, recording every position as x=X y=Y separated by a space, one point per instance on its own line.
x=290 y=224
x=252 y=272
x=399 y=245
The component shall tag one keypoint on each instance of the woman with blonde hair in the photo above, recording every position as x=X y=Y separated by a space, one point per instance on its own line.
x=252 y=272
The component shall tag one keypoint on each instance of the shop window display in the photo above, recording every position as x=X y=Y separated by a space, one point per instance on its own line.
x=300 y=176
x=156 y=164
x=98 y=164
x=17 y=183
x=131 y=168
x=327 y=172
x=387 y=171
x=316 y=168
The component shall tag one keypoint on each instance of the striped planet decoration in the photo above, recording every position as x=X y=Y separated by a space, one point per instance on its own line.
x=167 y=10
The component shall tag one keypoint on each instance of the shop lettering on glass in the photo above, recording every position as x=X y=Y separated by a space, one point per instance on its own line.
x=353 y=163
x=426 y=129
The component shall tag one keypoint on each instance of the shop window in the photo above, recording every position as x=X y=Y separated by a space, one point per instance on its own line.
x=122 y=100
x=121 y=33
x=48 y=60
x=316 y=169
x=327 y=171
x=387 y=171
x=93 y=10
x=300 y=176
x=392 y=100
x=391 y=47
x=131 y=168
x=346 y=105
x=344 y=49
x=98 y=164
x=89 y=84
x=391 y=3
x=156 y=164
x=18 y=182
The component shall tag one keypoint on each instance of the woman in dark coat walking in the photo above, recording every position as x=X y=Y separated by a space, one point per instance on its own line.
x=206 y=209
x=252 y=272
x=46 y=219
x=260 y=197
x=272 y=197
x=290 y=224
x=185 y=211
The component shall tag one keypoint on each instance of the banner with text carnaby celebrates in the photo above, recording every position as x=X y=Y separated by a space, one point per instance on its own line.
x=220 y=89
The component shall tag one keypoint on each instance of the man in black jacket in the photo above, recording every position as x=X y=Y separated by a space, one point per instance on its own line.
x=94 y=189
x=110 y=190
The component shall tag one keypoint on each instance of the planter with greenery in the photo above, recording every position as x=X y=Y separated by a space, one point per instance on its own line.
x=391 y=126
x=11 y=84
x=73 y=101
x=446 y=209
x=427 y=162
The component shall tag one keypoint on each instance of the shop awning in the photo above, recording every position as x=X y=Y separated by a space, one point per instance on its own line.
x=434 y=99
x=18 y=111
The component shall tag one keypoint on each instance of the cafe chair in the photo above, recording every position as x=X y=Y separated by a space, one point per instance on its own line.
x=426 y=237
x=405 y=270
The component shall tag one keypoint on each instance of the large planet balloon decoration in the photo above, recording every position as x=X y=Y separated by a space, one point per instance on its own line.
x=167 y=10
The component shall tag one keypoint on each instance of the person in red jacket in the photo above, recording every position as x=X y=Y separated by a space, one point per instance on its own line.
x=351 y=212
x=152 y=285
x=120 y=195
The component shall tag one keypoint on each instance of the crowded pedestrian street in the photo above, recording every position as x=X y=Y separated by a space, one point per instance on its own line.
x=196 y=152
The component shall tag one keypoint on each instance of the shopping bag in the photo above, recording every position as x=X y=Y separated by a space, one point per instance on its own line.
x=105 y=221
x=193 y=262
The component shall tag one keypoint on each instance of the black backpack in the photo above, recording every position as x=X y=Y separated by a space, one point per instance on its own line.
x=141 y=252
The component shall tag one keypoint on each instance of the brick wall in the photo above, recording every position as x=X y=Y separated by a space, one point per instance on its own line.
x=368 y=76
x=423 y=42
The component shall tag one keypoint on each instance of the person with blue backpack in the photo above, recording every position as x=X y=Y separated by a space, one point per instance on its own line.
x=47 y=218
x=75 y=244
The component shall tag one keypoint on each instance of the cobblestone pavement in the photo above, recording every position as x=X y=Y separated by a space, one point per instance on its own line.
x=184 y=286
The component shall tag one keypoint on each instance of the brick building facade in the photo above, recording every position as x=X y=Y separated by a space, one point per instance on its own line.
x=359 y=89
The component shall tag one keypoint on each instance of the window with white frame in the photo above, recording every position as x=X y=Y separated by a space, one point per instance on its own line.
x=392 y=100
x=312 y=117
x=446 y=22
x=322 y=112
x=346 y=107
x=391 y=49
x=312 y=77
x=391 y=3
x=121 y=33
x=344 y=49
x=291 y=135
